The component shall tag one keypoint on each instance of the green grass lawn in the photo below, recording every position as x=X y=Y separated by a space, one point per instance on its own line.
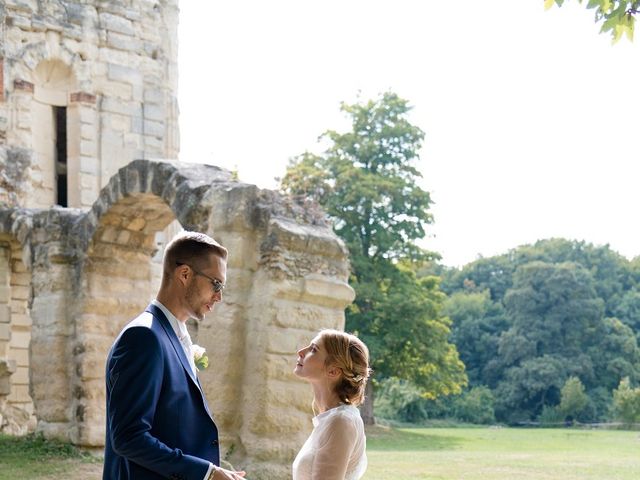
x=408 y=453
x=502 y=454
x=33 y=457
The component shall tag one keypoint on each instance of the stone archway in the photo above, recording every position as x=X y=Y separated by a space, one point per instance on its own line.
x=117 y=278
x=93 y=271
x=16 y=404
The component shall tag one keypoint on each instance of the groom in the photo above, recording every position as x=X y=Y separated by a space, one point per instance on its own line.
x=158 y=421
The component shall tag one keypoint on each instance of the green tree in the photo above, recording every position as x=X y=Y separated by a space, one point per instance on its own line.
x=627 y=309
x=626 y=403
x=555 y=317
x=616 y=17
x=561 y=300
x=478 y=323
x=367 y=182
x=475 y=406
x=555 y=306
x=493 y=274
x=527 y=387
x=615 y=356
x=573 y=398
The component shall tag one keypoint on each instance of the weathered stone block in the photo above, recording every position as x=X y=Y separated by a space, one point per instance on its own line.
x=5 y=293
x=21 y=357
x=116 y=23
x=19 y=339
x=154 y=128
x=19 y=394
x=5 y=313
x=154 y=112
x=7 y=368
x=21 y=320
x=21 y=279
x=285 y=341
x=20 y=292
x=153 y=95
x=123 y=42
x=120 y=73
x=5 y=332
x=89 y=165
x=21 y=376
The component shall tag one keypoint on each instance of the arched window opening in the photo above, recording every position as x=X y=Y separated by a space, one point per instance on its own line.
x=60 y=116
x=53 y=83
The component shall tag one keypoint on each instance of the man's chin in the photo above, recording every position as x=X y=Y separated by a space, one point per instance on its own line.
x=198 y=316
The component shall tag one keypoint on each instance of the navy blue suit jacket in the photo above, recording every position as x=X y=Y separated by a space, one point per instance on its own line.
x=158 y=421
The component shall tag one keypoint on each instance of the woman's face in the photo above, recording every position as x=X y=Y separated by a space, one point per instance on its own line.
x=311 y=361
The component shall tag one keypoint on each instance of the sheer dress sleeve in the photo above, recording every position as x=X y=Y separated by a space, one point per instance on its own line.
x=334 y=449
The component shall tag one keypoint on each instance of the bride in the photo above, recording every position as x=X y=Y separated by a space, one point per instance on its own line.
x=336 y=364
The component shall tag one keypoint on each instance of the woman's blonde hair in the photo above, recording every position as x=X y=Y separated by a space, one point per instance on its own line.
x=351 y=356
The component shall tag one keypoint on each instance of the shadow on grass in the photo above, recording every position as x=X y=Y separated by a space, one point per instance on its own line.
x=391 y=439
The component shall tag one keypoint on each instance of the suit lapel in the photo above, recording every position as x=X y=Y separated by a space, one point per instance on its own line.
x=177 y=346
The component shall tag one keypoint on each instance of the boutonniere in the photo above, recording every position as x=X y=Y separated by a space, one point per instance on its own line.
x=199 y=357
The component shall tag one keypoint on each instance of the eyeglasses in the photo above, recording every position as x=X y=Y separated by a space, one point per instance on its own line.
x=216 y=284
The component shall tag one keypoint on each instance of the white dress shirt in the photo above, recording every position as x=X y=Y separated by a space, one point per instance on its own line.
x=181 y=332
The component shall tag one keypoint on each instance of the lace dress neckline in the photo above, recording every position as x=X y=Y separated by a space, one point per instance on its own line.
x=331 y=411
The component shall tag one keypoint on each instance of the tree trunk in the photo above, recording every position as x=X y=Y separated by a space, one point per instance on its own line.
x=366 y=409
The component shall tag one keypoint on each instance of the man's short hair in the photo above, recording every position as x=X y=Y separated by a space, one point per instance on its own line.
x=191 y=248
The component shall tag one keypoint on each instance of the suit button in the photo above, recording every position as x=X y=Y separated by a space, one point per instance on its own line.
x=214 y=443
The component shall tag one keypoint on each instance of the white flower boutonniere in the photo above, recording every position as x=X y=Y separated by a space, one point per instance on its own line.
x=199 y=357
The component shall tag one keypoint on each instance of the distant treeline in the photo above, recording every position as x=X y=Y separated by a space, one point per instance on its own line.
x=548 y=332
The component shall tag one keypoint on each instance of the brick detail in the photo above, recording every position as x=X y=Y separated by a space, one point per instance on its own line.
x=23 y=85
x=82 y=97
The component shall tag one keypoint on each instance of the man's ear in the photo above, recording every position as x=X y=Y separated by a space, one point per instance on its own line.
x=182 y=273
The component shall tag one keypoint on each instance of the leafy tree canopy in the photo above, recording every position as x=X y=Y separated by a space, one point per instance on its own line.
x=367 y=182
x=616 y=17
x=526 y=321
x=573 y=398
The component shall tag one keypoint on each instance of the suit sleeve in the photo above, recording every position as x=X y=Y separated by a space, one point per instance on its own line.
x=134 y=381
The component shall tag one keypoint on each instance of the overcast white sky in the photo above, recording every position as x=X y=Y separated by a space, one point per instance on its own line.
x=531 y=117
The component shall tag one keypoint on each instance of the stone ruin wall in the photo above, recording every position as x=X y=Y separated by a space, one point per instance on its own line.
x=70 y=278
x=15 y=336
x=74 y=278
x=111 y=66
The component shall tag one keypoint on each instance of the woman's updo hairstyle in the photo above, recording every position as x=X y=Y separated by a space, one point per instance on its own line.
x=351 y=356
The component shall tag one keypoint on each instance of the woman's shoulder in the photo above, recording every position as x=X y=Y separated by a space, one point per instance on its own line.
x=344 y=416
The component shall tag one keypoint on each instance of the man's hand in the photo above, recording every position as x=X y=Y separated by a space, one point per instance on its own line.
x=224 y=474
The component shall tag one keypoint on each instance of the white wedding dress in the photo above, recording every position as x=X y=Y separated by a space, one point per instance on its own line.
x=335 y=450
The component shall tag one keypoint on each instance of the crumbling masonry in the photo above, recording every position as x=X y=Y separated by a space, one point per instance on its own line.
x=87 y=88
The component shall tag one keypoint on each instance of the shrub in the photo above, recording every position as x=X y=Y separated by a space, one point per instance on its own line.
x=551 y=416
x=573 y=400
x=475 y=406
x=626 y=402
x=400 y=400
